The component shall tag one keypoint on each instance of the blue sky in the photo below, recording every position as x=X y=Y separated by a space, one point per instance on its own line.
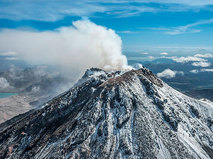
x=141 y=24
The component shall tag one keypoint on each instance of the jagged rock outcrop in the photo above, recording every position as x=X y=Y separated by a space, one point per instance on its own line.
x=113 y=115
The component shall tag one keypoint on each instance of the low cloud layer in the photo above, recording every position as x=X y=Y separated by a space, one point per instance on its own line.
x=74 y=49
x=202 y=70
x=201 y=64
x=145 y=53
x=207 y=70
x=163 y=53
x=168 y=73
x=198 y=60
x=204 y=55
x=9 y=53
x=186 y=59
x=4 y=83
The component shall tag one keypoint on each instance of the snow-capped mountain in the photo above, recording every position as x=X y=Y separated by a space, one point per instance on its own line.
x=124 y=115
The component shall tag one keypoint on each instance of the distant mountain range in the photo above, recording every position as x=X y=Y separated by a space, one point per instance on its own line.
x=201 y=93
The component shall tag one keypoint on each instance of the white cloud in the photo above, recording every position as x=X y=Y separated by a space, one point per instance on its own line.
x=145 y=53
x=74 y=49
x=9 y=53
x=53 y=10
x=197 y=60
x=49 y=10
x=11 y=58
x=204 y=55
x=182 y=30
x=163 y=53
x=168 y=73
x=183 y=59
x=183 y=2
x=202 y=70
x=4 y=83
x=151 y=57
x=201 y=64
x=188 y=28
x=194 y=71
x=126 y=32
x=207 y=70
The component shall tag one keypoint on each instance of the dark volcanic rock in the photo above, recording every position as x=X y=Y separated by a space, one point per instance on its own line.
x=113 y=115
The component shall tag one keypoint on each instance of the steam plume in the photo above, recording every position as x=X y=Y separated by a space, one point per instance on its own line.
x=73 y=48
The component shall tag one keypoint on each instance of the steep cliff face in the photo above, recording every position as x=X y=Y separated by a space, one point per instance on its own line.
x=113 y=115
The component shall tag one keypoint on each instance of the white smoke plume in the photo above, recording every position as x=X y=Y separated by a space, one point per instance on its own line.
x=74 y=49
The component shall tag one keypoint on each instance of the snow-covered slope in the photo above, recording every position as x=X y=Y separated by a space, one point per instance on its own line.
x=113 y=115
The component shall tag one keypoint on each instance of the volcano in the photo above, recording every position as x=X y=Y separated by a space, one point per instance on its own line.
x=122 y=115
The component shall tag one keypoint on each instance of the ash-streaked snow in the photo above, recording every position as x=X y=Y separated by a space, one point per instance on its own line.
x=124 y=115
